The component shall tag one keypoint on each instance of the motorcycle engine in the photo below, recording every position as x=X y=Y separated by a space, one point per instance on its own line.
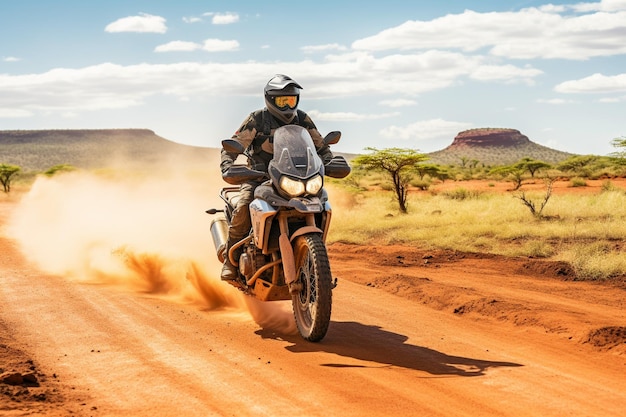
x=247 y=261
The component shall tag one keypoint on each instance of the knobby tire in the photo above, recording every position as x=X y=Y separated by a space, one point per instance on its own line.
x=313 y=304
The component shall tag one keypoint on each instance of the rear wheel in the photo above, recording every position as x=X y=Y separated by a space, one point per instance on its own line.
x=312 y=305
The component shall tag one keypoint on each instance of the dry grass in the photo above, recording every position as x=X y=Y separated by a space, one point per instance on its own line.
x=587 y=231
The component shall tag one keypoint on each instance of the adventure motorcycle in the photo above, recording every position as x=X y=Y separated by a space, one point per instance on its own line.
x=284 y=256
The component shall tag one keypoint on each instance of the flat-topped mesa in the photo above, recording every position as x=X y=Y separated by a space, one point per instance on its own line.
x=53 y=135
x=489 y=137
x=38 y=150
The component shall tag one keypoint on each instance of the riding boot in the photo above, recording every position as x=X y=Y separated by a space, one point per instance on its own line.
x=229 y=271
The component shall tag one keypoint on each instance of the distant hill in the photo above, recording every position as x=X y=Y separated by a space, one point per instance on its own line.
x=494 y=146
x=38 y=150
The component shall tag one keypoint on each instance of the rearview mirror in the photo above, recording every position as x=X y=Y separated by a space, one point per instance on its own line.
x=332 y=138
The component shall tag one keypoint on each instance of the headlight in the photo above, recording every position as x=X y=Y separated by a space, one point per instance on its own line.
x=292 y=187
x=314 y=185
x=295 y=188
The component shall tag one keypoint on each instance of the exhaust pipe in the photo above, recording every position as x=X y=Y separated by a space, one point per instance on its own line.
x=219 y=233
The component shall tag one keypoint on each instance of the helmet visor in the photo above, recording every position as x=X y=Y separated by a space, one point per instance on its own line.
x=284 y=102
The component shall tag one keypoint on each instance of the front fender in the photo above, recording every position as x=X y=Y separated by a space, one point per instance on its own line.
x=287 y=253
x=304 y=231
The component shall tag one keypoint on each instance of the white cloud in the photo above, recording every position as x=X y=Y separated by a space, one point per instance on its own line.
x=604 y=5
x=610 y=5
x=322 y=48
x=7 y=113
x=400 y=102
x=506 y=73
x=596 y=83
x=218 y=45
x=106 y=86
x=192 y=19
x=209 y=45
x=611 y=100
x=425 y=129
x=112 y=86
x=358 y=73
x=551 y=143
x=223 y=18
x=11 y=59
x=551 y=8
x=556 y=101
x=144 y=23
x=347 y=116
x=178 y=46
x=525 y=34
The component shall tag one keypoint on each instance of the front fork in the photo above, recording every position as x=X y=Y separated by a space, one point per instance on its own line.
x=286 y=248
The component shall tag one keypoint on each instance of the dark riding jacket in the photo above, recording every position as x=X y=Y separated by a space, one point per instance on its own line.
x=256 y=134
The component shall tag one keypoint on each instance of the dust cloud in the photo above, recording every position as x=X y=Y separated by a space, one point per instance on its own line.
x=146 y=233
x=275 y=315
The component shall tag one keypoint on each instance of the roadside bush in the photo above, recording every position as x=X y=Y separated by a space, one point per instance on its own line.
x=608 y=186
x=538 y=249
x=461 y=193
x=421 y=184
x=58 y=169
x=595 y=261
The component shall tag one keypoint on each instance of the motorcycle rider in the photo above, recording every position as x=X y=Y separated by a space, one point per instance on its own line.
x=282 y=96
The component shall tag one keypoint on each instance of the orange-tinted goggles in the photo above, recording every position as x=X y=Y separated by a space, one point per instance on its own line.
x=286 y=101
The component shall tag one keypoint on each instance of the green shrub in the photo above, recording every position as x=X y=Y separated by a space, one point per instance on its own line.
x=461 y=193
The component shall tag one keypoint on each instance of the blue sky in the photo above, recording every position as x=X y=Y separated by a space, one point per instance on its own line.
x=394 y=73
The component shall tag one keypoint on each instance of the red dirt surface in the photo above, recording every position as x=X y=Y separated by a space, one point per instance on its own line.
x=413 y=332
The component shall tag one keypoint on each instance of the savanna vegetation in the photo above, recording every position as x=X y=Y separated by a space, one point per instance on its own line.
x=399 y=196
x=586 y=230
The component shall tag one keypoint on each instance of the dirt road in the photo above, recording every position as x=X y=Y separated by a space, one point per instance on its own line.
x=413 y=334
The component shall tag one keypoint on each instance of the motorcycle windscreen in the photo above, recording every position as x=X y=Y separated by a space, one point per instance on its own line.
x=294 y=152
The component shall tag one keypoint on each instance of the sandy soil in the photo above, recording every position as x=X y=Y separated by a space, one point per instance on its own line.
x=428 y=333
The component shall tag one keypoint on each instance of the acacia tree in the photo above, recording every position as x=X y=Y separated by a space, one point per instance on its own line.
x=621 y=144
x=579 y=164
x=532 y=165
x=514 y=172
x=427 y=169
x=6 y=175
x=398 y=163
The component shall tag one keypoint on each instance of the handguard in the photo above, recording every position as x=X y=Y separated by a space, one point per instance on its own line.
x=337 y=167
x=239 y=174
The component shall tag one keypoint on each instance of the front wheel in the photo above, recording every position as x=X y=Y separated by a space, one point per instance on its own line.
x=312 y=305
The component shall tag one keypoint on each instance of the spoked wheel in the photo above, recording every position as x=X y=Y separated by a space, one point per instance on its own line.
x=312 y=305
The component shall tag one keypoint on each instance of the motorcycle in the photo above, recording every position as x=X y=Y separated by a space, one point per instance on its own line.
x=284 y=256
